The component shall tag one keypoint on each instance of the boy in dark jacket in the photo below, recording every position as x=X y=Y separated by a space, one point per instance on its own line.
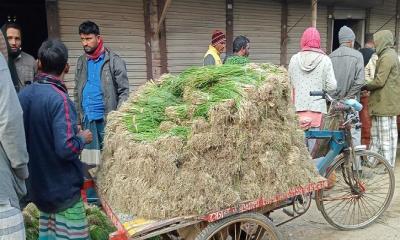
x=54 y=145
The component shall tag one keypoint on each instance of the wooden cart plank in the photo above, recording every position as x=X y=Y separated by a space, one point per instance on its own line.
x=165 y=230
x=143 y=229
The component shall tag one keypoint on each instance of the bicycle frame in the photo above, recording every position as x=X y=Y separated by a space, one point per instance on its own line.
x=337 y=144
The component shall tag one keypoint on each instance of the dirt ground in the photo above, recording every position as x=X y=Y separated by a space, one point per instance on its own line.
x=313 y=226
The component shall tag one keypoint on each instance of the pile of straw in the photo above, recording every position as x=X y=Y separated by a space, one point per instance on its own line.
x=203 y=140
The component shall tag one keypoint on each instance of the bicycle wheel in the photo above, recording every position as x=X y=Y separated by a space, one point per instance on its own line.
x=348 y=208
x=244 y=226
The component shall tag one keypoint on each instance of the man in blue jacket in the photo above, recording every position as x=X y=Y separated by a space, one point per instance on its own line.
x=54 y=145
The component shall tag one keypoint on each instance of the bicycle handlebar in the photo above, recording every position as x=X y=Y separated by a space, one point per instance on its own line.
x=343 y=105
x=317 y=94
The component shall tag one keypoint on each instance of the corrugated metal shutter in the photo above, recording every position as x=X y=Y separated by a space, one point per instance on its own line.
x=260 y=21
x=301 y=14
x=121 y=24
x=341 y=12
x=189 y=26
x=383 y=17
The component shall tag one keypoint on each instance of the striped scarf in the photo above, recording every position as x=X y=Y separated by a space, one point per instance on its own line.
x=45 y=78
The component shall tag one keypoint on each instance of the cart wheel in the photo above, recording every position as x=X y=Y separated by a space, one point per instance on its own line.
x=349 y=208
x=252 y=226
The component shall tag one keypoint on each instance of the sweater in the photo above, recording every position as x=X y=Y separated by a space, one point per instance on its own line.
x=348 y=65
x=311 y=71
x=54 y=147
x=212 y=57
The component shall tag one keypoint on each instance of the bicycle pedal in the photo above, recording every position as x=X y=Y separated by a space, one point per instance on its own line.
x=288 y=212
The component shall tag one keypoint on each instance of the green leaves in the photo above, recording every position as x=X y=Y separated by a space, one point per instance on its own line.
x=180 y=99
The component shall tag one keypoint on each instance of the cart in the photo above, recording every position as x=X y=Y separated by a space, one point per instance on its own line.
x=246 y=220
x=359 y=189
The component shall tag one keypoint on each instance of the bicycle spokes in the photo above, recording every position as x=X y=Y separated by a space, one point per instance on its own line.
x=359 y=194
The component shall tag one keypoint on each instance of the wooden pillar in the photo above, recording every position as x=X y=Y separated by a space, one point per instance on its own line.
x=229 y=27
x=368 y=20
x=155 y=38
x=53 y=23
x=162 y=39
x=284 y=32
x=397 y=24
x=329 y=38
x=314 y=11
x=147 y=5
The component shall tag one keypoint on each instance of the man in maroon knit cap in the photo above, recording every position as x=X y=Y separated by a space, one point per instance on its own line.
x=213 y=55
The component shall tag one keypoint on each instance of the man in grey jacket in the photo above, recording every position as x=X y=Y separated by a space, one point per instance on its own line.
x=13 y=158
x=25 y=64
x=348 y=65
x=101 y=85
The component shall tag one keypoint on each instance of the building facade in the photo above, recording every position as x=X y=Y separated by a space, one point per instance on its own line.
x=159 y=36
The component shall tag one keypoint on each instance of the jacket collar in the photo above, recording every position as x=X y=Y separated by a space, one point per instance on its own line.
x=213 y=50
x=106 y=56
x=44 y=78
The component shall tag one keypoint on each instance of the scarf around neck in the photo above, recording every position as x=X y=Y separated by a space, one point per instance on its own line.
x=98 y=52
x=46 y=78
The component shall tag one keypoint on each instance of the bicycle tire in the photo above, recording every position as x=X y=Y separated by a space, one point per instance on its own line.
x=367 y=173
x=229 y=226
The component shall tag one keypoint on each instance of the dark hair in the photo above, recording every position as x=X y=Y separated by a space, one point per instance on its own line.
x=13 y=25
x=369 y=37
x=239 y=43
x=89 y=27
x=53 y=56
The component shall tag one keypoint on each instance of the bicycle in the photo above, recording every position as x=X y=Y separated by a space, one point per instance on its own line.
x=364 y=180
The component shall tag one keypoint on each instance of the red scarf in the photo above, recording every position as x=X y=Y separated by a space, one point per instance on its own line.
x=97 y=53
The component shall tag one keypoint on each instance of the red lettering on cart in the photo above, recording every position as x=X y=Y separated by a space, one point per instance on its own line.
x=261 y=202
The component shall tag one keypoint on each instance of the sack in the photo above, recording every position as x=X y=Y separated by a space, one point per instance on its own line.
x=330 y=121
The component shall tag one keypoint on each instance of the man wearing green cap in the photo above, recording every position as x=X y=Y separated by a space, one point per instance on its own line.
x=383 y=103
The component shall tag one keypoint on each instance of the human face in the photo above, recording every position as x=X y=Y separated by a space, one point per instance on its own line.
x=90 y=42
x=246 y=50
x=14 y=39
x=221 y=46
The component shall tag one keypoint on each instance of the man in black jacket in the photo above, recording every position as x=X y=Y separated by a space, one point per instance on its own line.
x=368 y=49
x=101 y=85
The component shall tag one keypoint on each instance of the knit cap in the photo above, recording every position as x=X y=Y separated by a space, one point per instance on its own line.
x=346 y=35
x=217 y=37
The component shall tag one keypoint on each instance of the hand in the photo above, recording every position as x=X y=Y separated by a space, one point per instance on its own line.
x=87 y=135
x=79 y=127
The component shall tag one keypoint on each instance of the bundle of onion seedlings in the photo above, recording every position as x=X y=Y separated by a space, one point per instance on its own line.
x=203 y=140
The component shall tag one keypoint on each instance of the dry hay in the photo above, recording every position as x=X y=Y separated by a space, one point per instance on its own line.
x=242 y=150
